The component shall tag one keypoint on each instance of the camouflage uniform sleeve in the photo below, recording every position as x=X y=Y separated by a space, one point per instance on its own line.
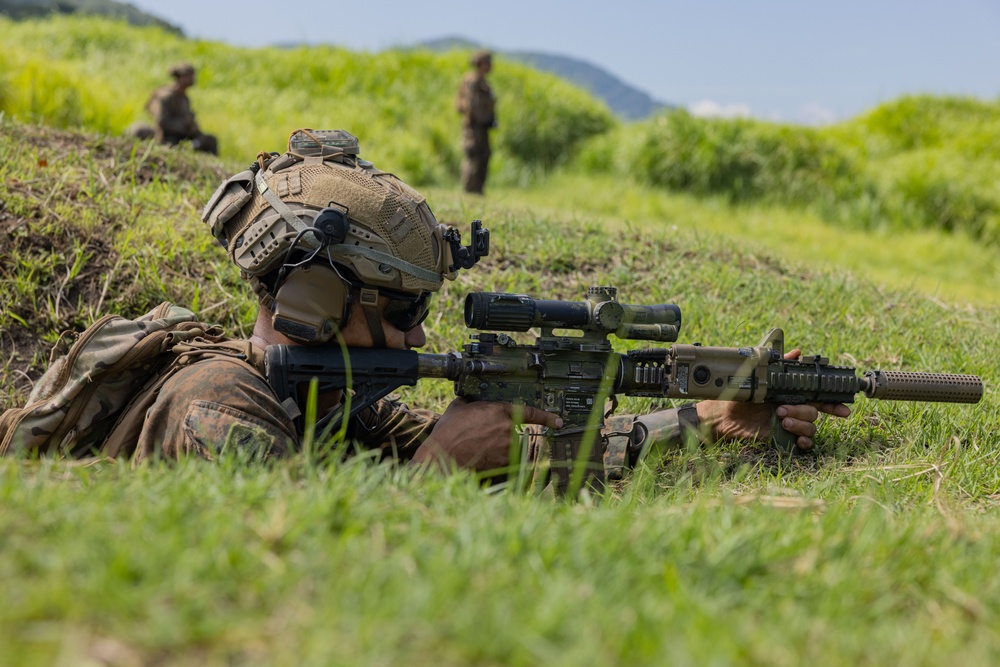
x=630 y=436
x=393 y=427
x=215 y=404
x=462 y=98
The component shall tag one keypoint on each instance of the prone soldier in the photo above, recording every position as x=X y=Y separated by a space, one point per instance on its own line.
x=340 y=253
x=342 y=257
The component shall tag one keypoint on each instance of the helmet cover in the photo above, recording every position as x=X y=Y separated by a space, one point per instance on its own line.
x=263 y=217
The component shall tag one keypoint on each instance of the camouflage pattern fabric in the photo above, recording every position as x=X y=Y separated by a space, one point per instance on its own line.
x=76 y=402
x=663 y=429
x=476 y=146
x=392 y=427
x=215 y=405
x=165 y=385
x=175 y=121
x=475 y=101
x=209 y=406
x=220 y=403
x=477 y=105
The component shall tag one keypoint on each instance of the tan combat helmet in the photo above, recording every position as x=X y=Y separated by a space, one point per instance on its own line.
x=181 y=69
x=317 y=227
x=481 y=56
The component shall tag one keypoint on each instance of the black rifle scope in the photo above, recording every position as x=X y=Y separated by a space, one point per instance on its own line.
x=600 y=313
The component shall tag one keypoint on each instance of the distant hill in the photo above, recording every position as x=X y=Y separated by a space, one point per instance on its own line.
x=28 y=9
x=627 y=102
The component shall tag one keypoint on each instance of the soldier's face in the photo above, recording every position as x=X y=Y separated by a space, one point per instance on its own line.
x=357 y=334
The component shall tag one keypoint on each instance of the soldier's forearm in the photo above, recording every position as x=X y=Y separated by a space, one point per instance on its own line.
x=633 y=436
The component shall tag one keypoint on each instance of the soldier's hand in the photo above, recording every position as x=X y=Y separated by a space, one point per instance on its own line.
x=735 y=420
x=478 y=434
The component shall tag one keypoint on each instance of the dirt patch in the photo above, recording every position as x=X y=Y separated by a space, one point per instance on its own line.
x=58 y=272
x=146 y=161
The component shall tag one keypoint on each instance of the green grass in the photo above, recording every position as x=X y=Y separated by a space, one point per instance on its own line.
x=916 y=163
x=955 y=268
x=862 y=563
x=879 y=548
x=912 y=164
x=97 y=73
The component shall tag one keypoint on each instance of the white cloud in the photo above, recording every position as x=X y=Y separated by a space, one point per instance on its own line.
x=812 y=113
x=815 y=113
x=713 y=109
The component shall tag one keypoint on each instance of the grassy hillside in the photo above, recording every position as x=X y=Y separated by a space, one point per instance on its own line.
x=879 y=547
x=916 y=163
x=23 y=9
x=953 y=268
x=92 y=222
x=98 y=74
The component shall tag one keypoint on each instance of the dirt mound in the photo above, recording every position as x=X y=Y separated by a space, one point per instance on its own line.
x=65 y=198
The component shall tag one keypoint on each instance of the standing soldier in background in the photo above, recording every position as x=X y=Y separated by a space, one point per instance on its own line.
x=171 y=110
x=476 y=103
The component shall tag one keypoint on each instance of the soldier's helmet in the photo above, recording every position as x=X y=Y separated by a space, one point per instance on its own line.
x=181 y=69
x=317 y=227
x=481 y=56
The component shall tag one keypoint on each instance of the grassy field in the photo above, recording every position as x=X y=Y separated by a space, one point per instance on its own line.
x=98 y=74
x=878 y=548
x=955 y=268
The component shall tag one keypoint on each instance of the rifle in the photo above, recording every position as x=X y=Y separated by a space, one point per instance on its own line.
x=575 y=375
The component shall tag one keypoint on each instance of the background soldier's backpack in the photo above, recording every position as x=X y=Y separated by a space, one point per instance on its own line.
x=94 y=399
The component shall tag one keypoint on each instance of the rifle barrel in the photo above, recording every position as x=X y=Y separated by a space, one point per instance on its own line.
x=443 y=366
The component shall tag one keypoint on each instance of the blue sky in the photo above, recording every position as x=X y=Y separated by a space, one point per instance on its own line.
x=803 y=62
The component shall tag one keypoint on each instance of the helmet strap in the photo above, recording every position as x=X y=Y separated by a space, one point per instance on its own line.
x=294 y=221
x=369 y=301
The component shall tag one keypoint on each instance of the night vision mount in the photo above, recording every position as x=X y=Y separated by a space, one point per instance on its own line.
x=465 y=257
x=331 y=226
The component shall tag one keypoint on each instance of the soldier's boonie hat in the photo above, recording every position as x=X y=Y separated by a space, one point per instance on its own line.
x=181 y=69
x=481 y=56
x=383 y=231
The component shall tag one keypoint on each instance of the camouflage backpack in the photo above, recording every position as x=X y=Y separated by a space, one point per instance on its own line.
x=93 y=400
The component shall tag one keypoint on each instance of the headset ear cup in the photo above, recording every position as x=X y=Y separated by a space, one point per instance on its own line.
x=311 y=305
